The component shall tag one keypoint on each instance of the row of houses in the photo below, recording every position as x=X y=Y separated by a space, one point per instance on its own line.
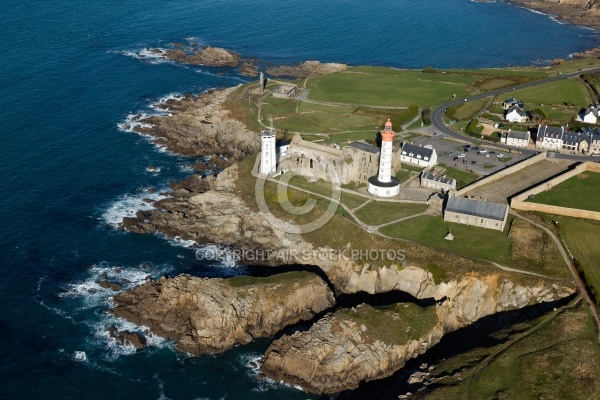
x=561 y=138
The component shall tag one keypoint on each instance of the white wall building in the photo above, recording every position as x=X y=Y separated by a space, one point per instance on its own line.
x=549 y=137
x=515 y=138
x=515 y=114
x=417 y=155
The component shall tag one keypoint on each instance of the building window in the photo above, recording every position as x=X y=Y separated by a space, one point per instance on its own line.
x=311 y=163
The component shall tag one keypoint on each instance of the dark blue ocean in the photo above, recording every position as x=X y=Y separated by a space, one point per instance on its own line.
x=70 y=73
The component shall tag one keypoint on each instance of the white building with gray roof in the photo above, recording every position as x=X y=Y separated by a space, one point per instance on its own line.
x=549 y=137
x=417 y=155
x=515 y=138
x=437 y=182
x=474 y=212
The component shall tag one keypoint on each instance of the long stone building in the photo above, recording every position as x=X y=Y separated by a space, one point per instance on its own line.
x=474 y=212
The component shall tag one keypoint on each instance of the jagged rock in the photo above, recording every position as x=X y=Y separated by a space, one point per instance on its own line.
x=199 y=126
x=208 y=56
x=348 y=347
x=110 y=285
x=207 y=316
x=135 y=339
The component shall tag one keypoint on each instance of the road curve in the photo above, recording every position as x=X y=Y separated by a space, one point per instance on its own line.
x=437 y=115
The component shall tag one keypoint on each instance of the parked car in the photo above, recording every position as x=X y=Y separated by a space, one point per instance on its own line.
x=492 y=152
x=475 y=148
x=473 y=162
x=482 y=150
x=488 y=155
x=428 y=146
x=466 y=146
x=461 y=155
x=464 y=160
x=455 y=159
x=499 y=155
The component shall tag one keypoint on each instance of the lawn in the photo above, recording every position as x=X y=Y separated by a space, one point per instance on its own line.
x=466 y=110
x=580 y=191
x=463 y=178
x=387 y=87
x=571 y=91
x=581 y=237
x=469 y=241
x=380 y=212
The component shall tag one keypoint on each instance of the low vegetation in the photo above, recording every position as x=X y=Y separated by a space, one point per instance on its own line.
x=551 y=357
x=580 y=192
x=380 y=212
x=394 y=324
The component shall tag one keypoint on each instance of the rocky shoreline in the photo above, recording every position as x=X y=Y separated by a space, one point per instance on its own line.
x=340 y=350
x=577 y=12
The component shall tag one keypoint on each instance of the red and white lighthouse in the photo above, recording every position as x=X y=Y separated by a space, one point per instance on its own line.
x=384 y=184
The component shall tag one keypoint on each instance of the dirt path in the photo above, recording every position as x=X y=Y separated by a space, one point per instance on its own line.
x=583 y=290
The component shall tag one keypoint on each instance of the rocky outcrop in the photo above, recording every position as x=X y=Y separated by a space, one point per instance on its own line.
x=134 y=339
x=206 y=316
x=363 y=344
x=591 y=53
x=207 y=56
x=198 y=126
x=307 y=69
x=578 y=12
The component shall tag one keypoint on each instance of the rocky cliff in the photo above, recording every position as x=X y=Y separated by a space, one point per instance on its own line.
x=366 y=343
x=578 y=12
x=212 y=315
x=198 y=126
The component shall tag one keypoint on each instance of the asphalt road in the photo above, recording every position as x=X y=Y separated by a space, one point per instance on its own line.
x=437 y=115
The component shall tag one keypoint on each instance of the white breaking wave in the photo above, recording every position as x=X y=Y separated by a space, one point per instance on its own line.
x=220 y=256
x=146 y=55
x=135 y=120
x=80 y=356
x=128 y=205
x=91 y=295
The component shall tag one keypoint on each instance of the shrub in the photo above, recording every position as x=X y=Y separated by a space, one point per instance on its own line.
x=426 y=115
x=429 y=70
x=406 y=116
x=472 y=129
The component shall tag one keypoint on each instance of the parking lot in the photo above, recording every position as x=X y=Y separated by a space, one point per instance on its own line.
x=449 y=153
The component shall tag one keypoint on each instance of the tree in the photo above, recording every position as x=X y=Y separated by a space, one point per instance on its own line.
x=537 y=115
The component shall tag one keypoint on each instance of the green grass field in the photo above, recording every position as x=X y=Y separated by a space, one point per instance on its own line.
x=486 y=244
x=571 y=91
x=580 y=191
x=387 y=87
x=380 y=212
x=463 y=178
x=581 y=237
x=467 y=110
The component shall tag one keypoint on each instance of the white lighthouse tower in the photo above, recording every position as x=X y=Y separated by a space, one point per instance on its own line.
x=268 y=164
x=384 y=184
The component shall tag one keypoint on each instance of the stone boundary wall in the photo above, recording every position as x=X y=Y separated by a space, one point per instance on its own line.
x=502 y=173
x=519 y=202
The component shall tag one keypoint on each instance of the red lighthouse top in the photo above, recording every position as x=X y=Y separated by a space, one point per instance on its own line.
x=388 y=134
